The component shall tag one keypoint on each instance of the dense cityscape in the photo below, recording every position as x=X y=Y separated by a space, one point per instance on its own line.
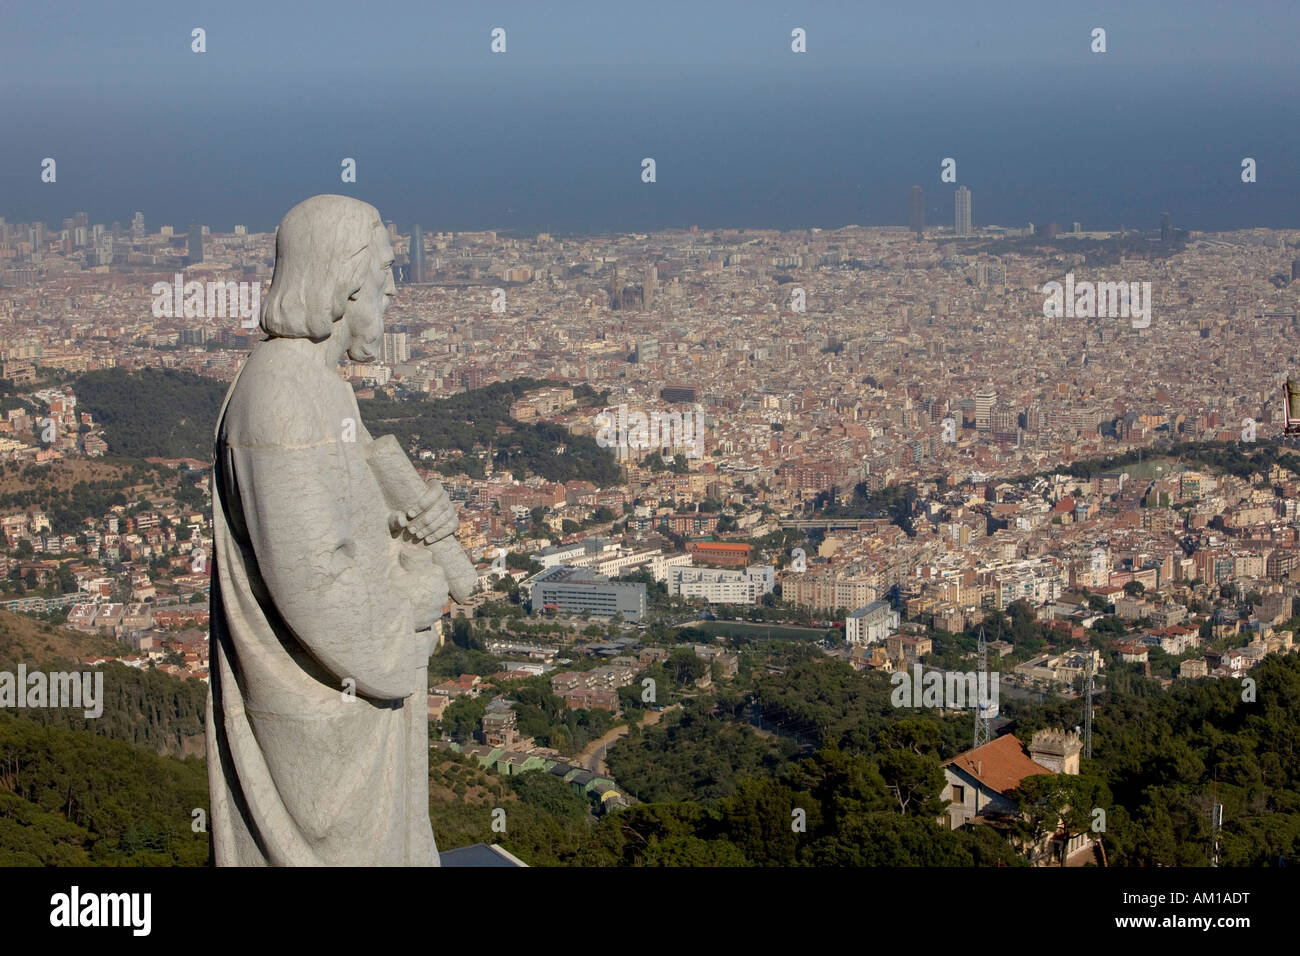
x=881 y=442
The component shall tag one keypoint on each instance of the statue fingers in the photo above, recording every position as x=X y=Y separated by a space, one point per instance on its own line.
x=438 y=532
x=442 y=528
x=433 y=496
x=433 y=519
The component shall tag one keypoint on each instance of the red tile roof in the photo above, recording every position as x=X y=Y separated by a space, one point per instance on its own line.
x=1000 y=764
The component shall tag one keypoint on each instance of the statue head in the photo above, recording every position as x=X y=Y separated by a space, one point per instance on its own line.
x=333 y=262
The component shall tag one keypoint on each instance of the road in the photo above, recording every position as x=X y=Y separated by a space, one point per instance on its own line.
x=593 y=755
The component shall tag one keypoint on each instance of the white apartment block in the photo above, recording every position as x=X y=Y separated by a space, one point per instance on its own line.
x=612 y=563
x=661 y=564
x=722 y=586
x=871 y=624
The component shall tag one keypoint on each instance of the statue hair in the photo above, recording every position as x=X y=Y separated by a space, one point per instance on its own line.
x=319 y=262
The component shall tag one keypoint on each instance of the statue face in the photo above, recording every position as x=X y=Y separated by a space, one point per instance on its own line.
x=364 y=313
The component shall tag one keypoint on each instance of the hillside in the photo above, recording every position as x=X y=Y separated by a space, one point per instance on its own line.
x=168 y=413
x=71 y=490
x=480 y=419
x=65 y=474
x=27 y=640
x=153 y=413
x=142 y=707
x=102 y=791
x=71 y=798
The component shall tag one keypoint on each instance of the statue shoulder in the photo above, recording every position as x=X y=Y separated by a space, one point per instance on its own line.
x=282 y=403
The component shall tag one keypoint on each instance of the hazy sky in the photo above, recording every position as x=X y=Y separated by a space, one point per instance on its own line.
x=551 y=134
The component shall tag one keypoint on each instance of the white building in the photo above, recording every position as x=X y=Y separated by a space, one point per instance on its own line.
x=660 y=565
x=722 y=586
x=614 y=561
x=871 y=624
x=586 y=552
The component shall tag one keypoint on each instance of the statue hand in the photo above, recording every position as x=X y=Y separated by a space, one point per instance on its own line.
x=424 y=584
x=431 y=519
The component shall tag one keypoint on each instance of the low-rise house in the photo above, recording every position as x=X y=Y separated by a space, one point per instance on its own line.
x=1172 y=640
x=109 y=616
x=1132 y=652
x=466 y=685
x=81 y=617
x=981 y=784
x=863 y=657
x=905 y=651
x=437 y=704
x=1167 y=615
x=587 y=698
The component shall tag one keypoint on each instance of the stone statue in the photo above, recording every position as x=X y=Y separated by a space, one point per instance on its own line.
x=325 y=590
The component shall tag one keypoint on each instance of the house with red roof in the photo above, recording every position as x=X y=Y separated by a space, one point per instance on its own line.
x=980 y=787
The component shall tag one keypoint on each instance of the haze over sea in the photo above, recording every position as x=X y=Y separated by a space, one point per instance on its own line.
x=745 y=133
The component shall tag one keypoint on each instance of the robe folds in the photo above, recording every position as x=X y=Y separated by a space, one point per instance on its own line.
x=317 y=720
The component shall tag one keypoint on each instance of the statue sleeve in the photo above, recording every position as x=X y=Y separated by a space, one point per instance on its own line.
x=330 y=576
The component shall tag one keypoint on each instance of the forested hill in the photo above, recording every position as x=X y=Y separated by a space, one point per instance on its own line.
x=163 y=413
x=77 y=791
x=481 y=417
x=70 y=798
x=143 y=707
x=169 y=413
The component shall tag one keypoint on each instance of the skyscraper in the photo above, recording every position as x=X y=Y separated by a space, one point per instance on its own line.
x=416 y=271
x=918 y=210
x=395 y=348
x=194 y=250
x=1166 y=230
x=963 y=212
x=985 y=399
x=137 y=227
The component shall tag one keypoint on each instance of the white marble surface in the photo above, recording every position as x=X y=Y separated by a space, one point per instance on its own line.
x=317 y=728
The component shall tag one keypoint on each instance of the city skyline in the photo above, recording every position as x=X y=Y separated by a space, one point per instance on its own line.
x=138 y=227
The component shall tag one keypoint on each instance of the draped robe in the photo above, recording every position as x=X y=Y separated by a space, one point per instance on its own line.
x=317 y=720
